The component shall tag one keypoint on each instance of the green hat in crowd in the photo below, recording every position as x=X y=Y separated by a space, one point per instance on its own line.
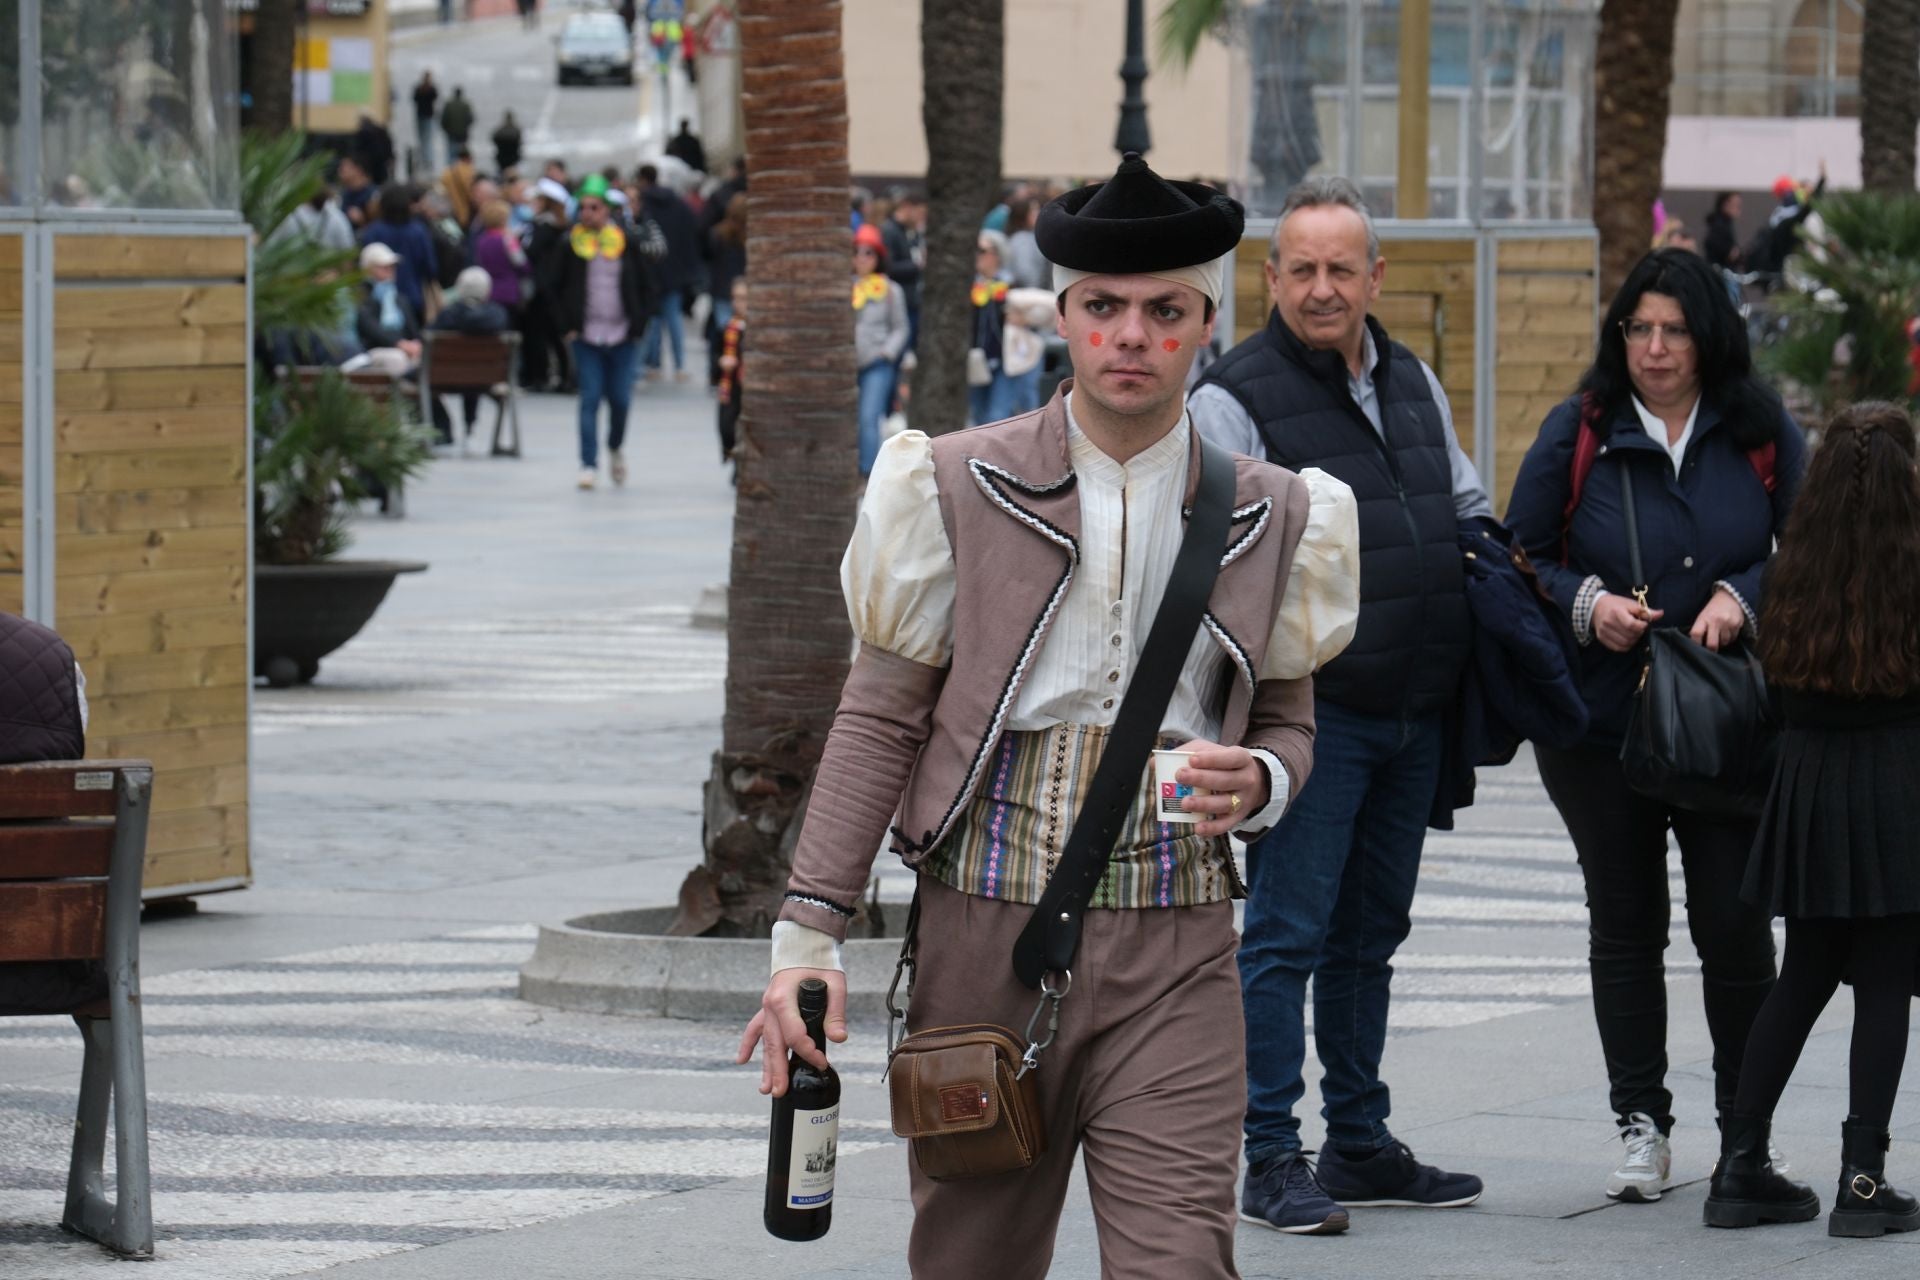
x=593 y=186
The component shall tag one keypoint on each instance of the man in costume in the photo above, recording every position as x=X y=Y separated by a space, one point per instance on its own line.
x=600 y=282
x=1332 y=886
x=1002 y=583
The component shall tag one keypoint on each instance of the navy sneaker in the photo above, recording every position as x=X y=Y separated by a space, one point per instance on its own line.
x=1392 y=1177
x=1284 y=1193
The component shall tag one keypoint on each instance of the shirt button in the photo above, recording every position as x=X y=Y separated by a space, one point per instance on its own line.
x=1107 y=705
x=1113 y=677
x=1115 y=639
x=1688 y=562
x=1116 y=608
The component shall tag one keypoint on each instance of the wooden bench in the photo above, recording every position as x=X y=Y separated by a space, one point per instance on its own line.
x=73 y=837
x=478 y=362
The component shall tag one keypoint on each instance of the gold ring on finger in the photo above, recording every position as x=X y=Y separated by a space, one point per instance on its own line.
x=1233 y=802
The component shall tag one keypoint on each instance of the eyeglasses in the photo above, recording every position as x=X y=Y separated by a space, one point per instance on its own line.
x=1673 y=336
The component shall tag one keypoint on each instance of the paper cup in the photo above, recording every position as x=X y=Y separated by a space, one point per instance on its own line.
x=1169 y=792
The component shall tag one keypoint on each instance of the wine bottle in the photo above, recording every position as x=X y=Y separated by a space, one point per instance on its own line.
x=805 y=1141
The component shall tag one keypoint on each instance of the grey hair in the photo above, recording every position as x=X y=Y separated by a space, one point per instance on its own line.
x=1327 y=189
x=473 y=284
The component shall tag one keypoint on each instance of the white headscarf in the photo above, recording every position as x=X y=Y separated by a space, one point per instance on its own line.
x=1209 y=278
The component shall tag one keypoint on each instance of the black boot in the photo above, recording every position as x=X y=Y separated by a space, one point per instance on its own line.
x=1867 y=1205
x=1746 y=1192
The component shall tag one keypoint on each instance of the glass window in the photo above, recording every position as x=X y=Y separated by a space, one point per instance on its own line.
x=139 y=105
x=1294 y=56
x=9 y=102
x=1536 y=77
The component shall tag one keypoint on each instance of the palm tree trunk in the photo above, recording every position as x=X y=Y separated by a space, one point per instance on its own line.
x=270 y=69
x=1632 y=71
x=1889 y=94
x=962 y=50
x=787 y=634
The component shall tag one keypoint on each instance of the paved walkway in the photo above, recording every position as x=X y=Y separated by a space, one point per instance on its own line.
x=343 y=1080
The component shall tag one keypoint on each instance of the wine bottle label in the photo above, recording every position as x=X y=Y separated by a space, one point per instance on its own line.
x=816 y=1146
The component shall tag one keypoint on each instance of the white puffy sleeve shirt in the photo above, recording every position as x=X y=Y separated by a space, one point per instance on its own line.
x=898 y=577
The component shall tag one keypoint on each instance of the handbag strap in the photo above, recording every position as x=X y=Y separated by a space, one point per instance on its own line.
x=1640 y=583
x=1052 y=934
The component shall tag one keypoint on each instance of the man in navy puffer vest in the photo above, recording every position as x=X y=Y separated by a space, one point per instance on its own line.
x=1331 y=887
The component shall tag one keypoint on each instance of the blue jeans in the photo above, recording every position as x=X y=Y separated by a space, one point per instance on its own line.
x=604 y=373
x=668 y=317
x=991 y=402
x=1023 y=391
x=876 y=394
x=1329 y=896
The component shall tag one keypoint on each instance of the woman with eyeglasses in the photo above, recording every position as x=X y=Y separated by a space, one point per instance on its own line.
x=1672 y=404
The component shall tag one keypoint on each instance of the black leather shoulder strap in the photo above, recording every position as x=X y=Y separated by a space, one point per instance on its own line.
x=1048 y=942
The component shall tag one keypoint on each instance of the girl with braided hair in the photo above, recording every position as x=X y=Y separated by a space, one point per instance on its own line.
x=1839 y=847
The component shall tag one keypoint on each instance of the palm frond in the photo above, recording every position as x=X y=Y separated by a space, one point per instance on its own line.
x=1844 y=337
x=1183 y=24
x=276 y=177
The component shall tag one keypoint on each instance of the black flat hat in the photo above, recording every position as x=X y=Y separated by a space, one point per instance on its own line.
x=1137 y=222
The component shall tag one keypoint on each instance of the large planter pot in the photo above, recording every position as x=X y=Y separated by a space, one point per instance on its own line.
x=303 y=612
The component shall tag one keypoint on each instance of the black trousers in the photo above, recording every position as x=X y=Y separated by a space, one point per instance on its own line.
x=1877 y=956
x=1621 y=838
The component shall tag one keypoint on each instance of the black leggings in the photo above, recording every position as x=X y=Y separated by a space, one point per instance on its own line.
x=1878 y=957
x=1621 y=837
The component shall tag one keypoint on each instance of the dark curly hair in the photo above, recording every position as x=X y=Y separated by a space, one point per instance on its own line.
x=1747 y=406
x=1838 y=615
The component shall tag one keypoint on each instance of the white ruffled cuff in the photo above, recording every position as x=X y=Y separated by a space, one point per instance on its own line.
x=1279 y=791
x=795 y=946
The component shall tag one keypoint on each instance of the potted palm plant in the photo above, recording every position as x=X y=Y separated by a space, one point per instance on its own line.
x=317 y=449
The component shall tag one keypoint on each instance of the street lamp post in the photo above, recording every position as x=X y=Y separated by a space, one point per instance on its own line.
x=1133 y=134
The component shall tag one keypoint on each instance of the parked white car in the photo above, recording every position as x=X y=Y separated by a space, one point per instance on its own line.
x=595 y=46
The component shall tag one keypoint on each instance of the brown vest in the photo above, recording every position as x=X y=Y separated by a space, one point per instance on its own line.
x=1012 y=514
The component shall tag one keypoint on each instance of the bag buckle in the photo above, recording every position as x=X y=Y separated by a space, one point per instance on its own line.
x=1049 y=996
x=897 y=1012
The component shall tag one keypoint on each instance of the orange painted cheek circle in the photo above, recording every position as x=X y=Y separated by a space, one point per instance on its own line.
x=1170 y=345
x=1096 y=338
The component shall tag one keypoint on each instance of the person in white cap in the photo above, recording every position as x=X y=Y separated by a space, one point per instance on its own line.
x=1003 y=583
x=386 y=321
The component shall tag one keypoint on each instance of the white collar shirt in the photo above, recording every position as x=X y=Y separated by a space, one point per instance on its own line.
x=1130 y=532
x=1651 y=423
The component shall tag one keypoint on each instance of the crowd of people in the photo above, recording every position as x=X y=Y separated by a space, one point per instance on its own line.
x=1670 y=497
x=598 y=273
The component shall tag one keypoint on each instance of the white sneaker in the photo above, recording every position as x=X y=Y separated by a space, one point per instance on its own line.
x=586 y=477
x=617 y=467
x=1648 y=1169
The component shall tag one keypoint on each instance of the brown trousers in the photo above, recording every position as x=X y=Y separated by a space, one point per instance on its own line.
x=1147 y=1076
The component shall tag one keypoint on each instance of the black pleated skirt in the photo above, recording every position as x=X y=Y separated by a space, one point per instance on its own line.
x=1840 y=834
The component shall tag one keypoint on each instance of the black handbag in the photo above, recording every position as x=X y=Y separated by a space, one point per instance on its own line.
x=1701 y=732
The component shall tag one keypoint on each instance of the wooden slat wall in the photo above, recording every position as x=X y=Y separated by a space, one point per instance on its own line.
x=1545 y=326
x=1426 y=302
x=150 y=462
x=12 y=460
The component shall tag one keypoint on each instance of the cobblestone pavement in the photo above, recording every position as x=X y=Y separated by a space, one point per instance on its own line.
x=534 y=715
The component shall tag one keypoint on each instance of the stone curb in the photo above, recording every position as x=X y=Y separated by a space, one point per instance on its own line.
x=618 y=962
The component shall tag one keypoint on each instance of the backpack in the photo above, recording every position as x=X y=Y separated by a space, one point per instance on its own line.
x=1586 y=447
